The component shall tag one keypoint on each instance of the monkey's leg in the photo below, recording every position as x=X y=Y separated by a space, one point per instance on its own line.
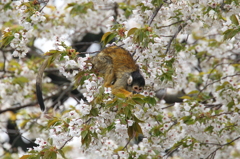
x=109 y=77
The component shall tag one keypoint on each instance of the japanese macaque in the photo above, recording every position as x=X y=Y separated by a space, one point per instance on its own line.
x=121 y=72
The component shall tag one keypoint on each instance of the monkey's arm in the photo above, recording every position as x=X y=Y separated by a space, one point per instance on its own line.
x=103 y=63
x=120 y=86
x=39 y=84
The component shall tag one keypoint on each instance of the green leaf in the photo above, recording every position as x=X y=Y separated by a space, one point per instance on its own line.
x=193 y=92
x=137 y=120
x=150 y=100
x=131 y=31
x=130 y=132
x=77 y=9
x=7 y=6
x=110 y=127
x=84 y=133
x=87 y=140
x=94 y=111
x=157 y=2
x=138 y=100
x=24 y=123
x=230 y=105
x=62 y=153
x=127 y=111
x=234 y=19
x=188 y=120
x=105 y=35
x=186 y=97
x=51 y=52
x=52 y=122
x=120 y=95
x=230 y=33
x=137 y=128
x=6 y=40
x=50 y=155
x=209 y=129
x=51 y=59
x=112 y=102
x=20 y=80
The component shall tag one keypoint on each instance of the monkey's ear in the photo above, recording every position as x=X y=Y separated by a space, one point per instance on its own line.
x=130 y=80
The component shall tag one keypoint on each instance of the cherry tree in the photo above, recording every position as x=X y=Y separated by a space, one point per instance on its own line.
x=190 y=46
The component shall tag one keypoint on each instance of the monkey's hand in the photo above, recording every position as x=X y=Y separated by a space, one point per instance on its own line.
x=121 y=92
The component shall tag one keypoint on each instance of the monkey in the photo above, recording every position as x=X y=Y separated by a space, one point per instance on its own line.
x=121 y=73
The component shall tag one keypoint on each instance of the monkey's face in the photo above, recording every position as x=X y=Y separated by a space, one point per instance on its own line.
x=135 y=82
x=137 y=89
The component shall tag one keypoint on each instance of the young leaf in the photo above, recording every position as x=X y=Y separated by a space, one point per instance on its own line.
x=234 y=19
x=230 y=33
x=130 y=132
x=131 y=31
x=105 y=35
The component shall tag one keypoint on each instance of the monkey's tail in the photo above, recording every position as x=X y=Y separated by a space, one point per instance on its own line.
x=39 y=84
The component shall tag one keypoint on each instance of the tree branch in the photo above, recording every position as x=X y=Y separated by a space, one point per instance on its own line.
x=237 y=74
x=155 y=12
x=65 y=91
x=23 y=106
x=94 y=52
x=220 y=146
x=65 y=143
x=174 y=36
x=45 y=4
x=215 y=68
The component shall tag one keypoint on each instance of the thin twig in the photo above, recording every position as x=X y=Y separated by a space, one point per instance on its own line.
x=65 y=143
x=65 y=91
x=45 y=4
x=155 y=12
x=174 y=36
x=84 y=43
x=94 y=52
x=208 y=77
x=49 y=70
x=20 y=107
x=170 y=105
x=171 y=24
x=125 y=147
x=238 y=74
x=220 y=146
x=170 y=152
x=23 y=106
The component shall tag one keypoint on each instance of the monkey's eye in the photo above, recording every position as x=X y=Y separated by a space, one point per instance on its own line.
x=135 y=88
x=140 y=89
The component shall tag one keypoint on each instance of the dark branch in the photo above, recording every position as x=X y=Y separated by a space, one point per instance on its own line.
x=45 y=4
x=174 y=36
x=238 y=74
x=155 y=12
x=65 y=143
x=94 y=52
x=23 y=106
x=220 y=146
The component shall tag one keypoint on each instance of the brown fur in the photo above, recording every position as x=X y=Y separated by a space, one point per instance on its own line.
x=117 y=65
